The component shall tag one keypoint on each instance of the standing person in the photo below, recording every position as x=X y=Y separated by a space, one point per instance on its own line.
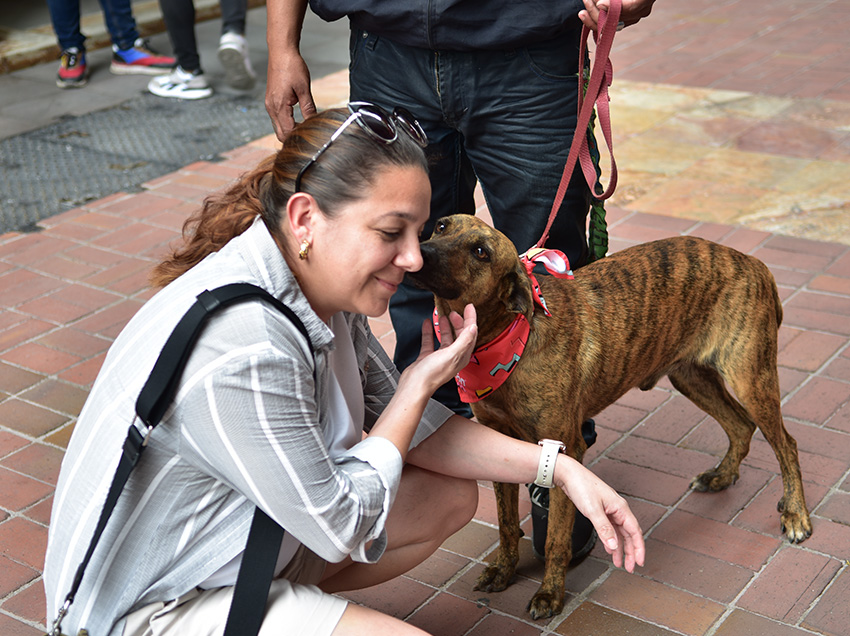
x=495 y=86
x=365 y=473
x=188 y=81
x=131 y=55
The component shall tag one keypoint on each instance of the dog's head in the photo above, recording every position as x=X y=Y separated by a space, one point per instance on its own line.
x=467 y=261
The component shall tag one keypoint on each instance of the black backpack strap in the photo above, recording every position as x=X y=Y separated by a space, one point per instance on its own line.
x=255 y=574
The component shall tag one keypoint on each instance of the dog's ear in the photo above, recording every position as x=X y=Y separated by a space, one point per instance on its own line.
x=517 y=293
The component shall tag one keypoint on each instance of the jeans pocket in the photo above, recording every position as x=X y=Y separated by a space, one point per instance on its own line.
x=555 y=60
x=357 y=43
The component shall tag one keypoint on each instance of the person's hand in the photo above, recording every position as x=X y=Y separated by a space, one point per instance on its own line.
x=288 y=84
x=609 y=513
x=457 y=340
x=633 y=11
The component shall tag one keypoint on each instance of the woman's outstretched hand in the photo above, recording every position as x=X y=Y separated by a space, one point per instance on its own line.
x=617 y=527
x=457 y=340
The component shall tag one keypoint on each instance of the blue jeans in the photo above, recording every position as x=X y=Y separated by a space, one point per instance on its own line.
x=117 y=14
x=505 y=118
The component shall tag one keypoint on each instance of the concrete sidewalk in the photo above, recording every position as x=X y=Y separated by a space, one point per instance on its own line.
x=765 y=170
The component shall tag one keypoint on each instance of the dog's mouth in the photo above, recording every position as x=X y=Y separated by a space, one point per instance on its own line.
x=423 y=279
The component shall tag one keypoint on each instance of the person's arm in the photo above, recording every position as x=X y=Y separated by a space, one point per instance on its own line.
x=633 y=11
x=467 y=449
x=288 y=78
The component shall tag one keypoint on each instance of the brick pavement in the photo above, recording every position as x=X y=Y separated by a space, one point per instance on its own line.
x=716 y=562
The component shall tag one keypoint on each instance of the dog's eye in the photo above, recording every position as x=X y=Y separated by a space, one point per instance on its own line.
x=439 y=227
x=480 y=253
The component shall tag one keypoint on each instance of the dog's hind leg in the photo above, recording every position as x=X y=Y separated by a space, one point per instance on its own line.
x=704 y=387
x=760 y=396
x=498 y=575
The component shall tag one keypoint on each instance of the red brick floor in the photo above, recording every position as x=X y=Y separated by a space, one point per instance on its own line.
x=716 y=563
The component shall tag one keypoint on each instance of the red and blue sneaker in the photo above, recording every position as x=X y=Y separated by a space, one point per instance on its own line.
x=73 y=72
x=139 y=59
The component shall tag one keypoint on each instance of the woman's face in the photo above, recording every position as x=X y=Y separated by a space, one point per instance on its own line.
x=359 y=257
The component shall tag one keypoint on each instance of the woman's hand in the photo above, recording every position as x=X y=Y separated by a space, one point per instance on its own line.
x=632 y=12
x=457 y=340
x=609 y=513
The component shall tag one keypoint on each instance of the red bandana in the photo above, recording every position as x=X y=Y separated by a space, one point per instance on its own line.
x=492 y=363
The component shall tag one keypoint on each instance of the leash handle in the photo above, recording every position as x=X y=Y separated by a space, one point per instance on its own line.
x=601 y=75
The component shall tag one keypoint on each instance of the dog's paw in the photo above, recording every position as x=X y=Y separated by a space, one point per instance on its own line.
x=493 y=579
x=545 y=605
x=713 y=481
x=796 y=527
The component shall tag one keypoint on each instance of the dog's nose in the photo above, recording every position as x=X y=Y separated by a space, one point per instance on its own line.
x=427 y=252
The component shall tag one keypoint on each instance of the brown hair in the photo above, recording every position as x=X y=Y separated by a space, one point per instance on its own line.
x=342 y=175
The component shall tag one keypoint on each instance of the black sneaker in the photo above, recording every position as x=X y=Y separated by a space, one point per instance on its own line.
x=584 y=535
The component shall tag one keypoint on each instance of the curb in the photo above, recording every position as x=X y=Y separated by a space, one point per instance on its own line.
x=24 y=48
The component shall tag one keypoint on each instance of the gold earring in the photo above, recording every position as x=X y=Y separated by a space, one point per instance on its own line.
x=305 y=248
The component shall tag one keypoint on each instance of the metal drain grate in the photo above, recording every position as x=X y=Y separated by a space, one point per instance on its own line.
x=85 y=158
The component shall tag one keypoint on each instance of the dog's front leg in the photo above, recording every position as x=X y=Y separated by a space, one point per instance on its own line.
x=498 y=575
x=549 y=599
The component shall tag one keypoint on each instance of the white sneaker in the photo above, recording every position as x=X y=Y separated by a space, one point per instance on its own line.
x=233 y=55
x=181 y=84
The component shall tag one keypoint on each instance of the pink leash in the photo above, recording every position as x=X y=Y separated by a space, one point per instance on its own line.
x=601 y=76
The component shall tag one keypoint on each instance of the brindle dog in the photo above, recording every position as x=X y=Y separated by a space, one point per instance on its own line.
x=683 y=307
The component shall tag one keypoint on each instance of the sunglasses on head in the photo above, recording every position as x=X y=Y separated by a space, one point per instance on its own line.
x=380 y=125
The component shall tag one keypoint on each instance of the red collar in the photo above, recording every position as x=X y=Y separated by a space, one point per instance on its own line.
x=492 y=363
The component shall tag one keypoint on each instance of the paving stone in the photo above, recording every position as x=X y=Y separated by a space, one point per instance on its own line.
x=36 y=460
x=57 y=396
x=590 y=619
x=40 y=359
x=739 y=623
x=29 y=419
x=818 y=400
x=449 y=615
x=836 y=507
x=664 y=457
x=13 y=575
x=717 y=540
x=439 y=568
x=28 y=603
x=672 y=421
x=473 y=540
x=19 y=491
x=641 y=482
x=496 y=625
x=693 y=572
x=657 y=603
x=789 y=584
x=23 y=541
x=10 y=626
x=831 y=614
x=398 y=597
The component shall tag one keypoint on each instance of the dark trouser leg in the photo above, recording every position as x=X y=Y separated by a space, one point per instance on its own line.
x=233 y=16
x=118 y=16
x=65 y=17
x=179 y=18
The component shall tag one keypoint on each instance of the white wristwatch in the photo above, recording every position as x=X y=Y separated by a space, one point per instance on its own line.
x=548 y=454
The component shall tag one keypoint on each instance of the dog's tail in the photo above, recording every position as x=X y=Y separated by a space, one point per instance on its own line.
x=777 y=302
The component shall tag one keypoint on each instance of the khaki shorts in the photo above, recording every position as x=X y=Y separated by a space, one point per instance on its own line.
x=296 y=606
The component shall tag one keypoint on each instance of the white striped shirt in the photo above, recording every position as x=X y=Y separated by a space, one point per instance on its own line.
x=247 y=428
